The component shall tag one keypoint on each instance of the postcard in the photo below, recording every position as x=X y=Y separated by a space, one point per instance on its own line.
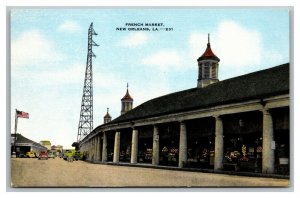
x=150 y=97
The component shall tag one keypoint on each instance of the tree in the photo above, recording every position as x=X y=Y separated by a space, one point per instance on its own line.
x=76 y=145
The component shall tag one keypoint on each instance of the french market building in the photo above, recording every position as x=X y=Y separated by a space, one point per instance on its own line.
x=238 y=124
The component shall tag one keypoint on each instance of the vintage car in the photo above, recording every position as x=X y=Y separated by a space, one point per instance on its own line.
x=51 y=154
x=78 y=155
x=69 y=153
x=30 y=154
x=43 y=155
x=21 y=155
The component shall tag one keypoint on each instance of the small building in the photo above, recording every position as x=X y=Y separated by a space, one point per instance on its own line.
x=21 y=145
x=46 y=143
x=58 y=149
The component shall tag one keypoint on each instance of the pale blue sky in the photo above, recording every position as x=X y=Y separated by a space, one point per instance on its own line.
x=49 y=46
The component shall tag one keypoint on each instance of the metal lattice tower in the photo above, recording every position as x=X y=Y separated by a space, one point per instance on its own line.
x=85 y=125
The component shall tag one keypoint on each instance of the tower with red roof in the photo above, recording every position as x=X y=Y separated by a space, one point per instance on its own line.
x=127 y=102
x=208 y=65
x=107 y=117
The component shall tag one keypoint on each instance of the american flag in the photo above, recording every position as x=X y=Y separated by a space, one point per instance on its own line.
x=22 y=114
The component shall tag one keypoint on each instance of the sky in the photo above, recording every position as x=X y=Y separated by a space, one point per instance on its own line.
x=49 y=51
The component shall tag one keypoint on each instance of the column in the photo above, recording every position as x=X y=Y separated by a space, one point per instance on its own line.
x=182 y=145
x=134 y=146
x=117 y=147
x=268 y=157
x=219 y=144
x=87 y=150
x=94 y=147
x=104 y=148
x=90 y=149
x=97 y=148
x=155 y=148
x=100 y=150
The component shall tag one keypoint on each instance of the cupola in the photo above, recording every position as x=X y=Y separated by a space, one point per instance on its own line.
x=208 y=64
x=107 y=117
x=126 y=102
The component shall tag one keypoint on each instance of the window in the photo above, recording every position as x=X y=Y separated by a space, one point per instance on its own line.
x=200 y=72
x=214 y=71
x=206 y=70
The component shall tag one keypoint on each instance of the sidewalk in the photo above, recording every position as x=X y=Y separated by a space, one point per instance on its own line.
x=238 y=173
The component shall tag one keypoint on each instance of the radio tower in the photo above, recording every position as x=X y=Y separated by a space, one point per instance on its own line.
x=85 y=125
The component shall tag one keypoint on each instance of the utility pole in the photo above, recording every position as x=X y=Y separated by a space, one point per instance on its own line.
x=85 y=125
x=15 y=138
x=18 y=114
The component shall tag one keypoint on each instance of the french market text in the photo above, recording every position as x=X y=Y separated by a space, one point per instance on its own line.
x=144 y=27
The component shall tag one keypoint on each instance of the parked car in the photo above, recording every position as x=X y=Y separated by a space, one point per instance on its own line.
x=61 y=155
x=30 y=154
x=22 y=155
x=51 y=154
x=43 y=155
x=78 y=155
x=69 y=154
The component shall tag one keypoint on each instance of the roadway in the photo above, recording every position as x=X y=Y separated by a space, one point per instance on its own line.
x=26 y=172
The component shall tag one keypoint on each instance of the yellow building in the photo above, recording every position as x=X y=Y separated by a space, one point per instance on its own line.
x=46 y=143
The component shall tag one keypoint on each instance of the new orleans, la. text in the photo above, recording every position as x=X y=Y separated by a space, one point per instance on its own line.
x=144 y=27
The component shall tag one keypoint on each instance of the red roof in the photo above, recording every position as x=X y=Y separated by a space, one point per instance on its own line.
x=208 y=54
x=127 y=96
x=107 y=115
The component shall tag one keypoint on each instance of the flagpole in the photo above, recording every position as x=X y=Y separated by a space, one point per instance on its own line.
x=16 y=127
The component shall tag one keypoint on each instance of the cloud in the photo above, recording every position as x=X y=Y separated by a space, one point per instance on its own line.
x=70 y=75
x=32 y=48
x=238 y=45
x=274 y=57
x=111 y=98
x=164 y=59
x=151 y=91
x=239 y=48
x=197 y=42
x=135 y=39
x=69 y=26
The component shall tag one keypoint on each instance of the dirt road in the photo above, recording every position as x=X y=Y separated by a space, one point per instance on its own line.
x=60 y=173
